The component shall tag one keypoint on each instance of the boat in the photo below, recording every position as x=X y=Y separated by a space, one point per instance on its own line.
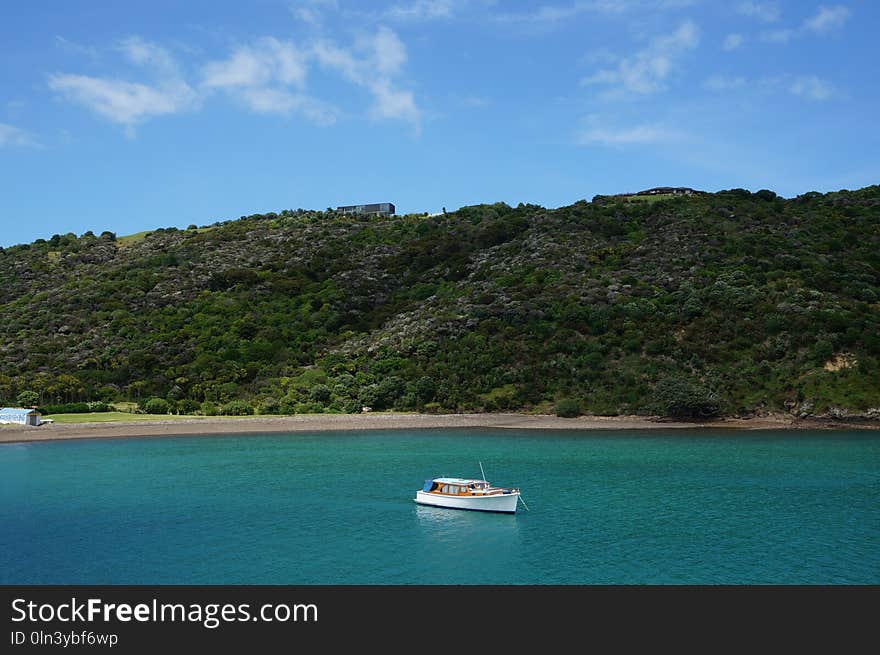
x=467 y=493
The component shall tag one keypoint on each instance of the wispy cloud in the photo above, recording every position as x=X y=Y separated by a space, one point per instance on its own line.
x=766 y=12
x=420 y=10
x=11 y=136
x=825 y=21
x=72 y=47
x=373 y=62
x=812 y=88
x=732 y=41
x=312 y=11
x=779 y=36
x=557 y=13
x=724 y=82
x=646 y=71
x=130 y=103
x=268 y=77
x=144 y=53
x=597 y=132
x=127 y=103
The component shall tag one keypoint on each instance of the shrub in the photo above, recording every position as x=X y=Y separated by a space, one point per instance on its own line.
x=320 y=393
x=74 y=408
x=237 y=408
x=270 y=406
x=157 y=406
x=28 y=398
x=568 y=408
x=187 y=406
x=209 y=408
x=432 y=408
x=683 y=398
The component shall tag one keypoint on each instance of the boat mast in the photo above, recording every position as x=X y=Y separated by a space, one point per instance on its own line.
x=481 y=472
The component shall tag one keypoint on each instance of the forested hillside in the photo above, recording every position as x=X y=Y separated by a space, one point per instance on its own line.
x=731 y=302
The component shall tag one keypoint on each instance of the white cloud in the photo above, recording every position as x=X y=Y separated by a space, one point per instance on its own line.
x=75 y=48
x=243 y=67
x=127 y=103
x=265 y=100
x=268 y=60
x=422 y=10
x=312 y=11
x=635 y=135
x=557 y=13
x=646 y=71
x=767 y=12
x=474 y=101
x=14 y=136
x=779 y=36
x=144 y=53
x=372 y=63
x=724 y=83
x=393 y=103
x=388 y=51
x=811 y=87
x=268 y=77
x=733 y=41
x=827 y=19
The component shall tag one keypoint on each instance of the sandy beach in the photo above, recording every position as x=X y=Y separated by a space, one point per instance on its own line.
x=385 y=421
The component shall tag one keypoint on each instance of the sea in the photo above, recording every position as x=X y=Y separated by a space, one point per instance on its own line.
x=652 y=507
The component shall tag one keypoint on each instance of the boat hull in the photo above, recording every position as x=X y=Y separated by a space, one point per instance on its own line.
x=504 y=503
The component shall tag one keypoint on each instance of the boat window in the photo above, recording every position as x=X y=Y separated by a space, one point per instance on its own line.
x=445 y=489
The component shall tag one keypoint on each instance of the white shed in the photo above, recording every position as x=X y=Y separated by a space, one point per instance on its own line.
x=19 y=415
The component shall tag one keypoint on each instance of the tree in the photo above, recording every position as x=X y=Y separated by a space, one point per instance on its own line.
x=7 y=387
x=28 y=398
x=568 y=408
x=157 y=406
x=426 y=389
x=682 y=398
x=320 y=393
x=175 y=393
x=237 y=408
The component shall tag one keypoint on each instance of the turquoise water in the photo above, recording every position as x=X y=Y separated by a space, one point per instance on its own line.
x=695 y=507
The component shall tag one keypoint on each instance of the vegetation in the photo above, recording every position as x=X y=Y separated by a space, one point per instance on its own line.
x=717 y=304
x=568 y=408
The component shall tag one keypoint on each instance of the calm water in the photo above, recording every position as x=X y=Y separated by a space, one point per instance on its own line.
x=336 y=508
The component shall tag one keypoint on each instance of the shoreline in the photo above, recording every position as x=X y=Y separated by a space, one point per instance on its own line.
x=212 y=426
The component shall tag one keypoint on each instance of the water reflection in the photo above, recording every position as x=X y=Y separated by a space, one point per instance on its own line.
x=441 y=524
x=467 y=547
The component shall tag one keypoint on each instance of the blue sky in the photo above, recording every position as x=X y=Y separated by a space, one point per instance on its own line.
x=127 y=116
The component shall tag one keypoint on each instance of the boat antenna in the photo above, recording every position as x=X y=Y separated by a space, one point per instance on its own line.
x=481 y=472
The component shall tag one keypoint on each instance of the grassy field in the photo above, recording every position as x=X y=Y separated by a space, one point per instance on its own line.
x=659 y=196
x=131 y=239
x=111 y=417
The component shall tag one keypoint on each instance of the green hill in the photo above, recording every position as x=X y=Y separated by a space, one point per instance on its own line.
x=730 y=302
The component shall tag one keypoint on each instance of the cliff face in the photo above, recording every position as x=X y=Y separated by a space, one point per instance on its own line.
x=737 y=302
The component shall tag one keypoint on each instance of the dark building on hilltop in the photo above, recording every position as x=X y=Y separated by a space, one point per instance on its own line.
x=669 y=190
x=377 y=209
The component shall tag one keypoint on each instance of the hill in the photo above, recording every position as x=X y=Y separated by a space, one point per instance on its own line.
x=714 y=303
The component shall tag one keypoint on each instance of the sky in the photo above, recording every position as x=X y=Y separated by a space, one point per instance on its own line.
x=129 y=116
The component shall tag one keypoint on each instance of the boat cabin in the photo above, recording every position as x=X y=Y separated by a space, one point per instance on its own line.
x=459 y=487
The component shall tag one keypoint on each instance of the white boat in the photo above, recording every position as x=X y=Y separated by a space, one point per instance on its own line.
x=466 y=493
